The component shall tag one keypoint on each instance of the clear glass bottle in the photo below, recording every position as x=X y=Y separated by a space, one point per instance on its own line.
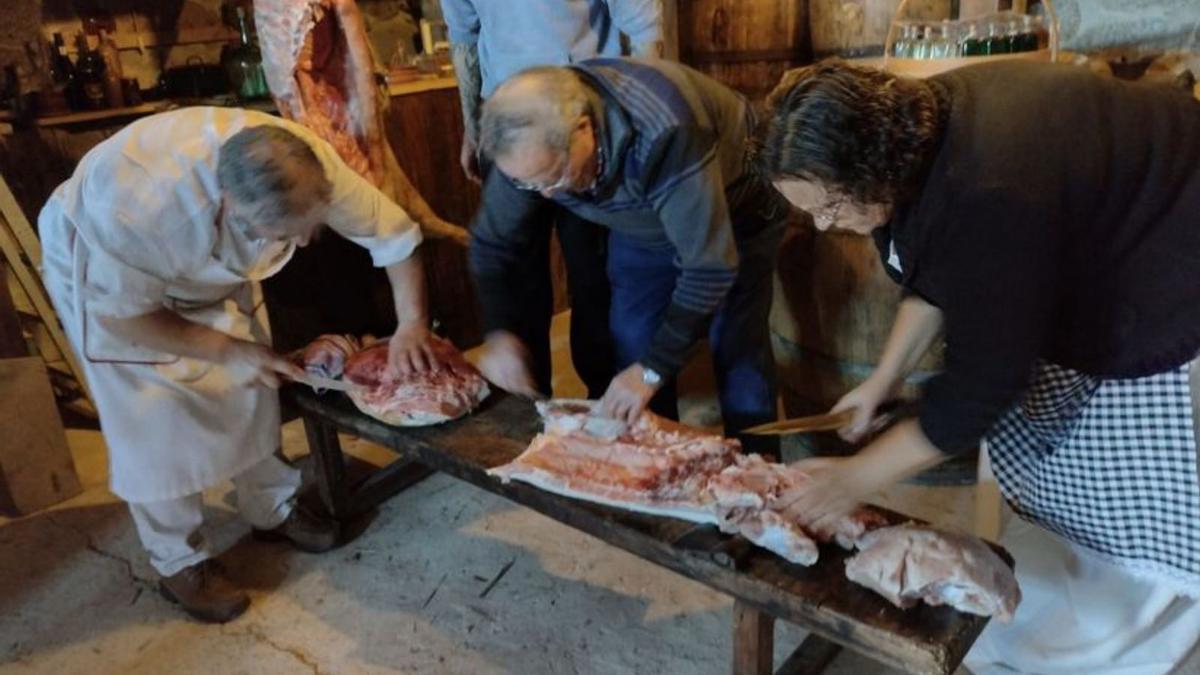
x=903 y=46
x=942 y=43
x=921 y=42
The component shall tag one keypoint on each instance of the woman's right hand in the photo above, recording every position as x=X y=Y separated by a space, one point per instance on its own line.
x=256 y=364
x=864 y=400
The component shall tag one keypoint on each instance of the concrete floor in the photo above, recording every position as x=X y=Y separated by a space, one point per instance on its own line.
x=445 y=579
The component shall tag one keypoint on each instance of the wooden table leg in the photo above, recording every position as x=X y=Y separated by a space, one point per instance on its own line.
x=330 y=466
x=811 y=657
x=753 y=640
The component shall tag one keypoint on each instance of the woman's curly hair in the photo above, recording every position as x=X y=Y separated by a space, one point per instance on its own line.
x=865 y=132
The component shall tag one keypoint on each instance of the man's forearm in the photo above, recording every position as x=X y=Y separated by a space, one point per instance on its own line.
x=917 y=325
x=408 y=290
x=165 y=331
x=470 y=87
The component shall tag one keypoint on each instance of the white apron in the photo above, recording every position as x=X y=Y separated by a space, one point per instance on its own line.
x=139 y=227
x=174 y=426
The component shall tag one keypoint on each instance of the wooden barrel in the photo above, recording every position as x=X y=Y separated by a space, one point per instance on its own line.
x=747 y=44
x=832 y=312
x=854 y=28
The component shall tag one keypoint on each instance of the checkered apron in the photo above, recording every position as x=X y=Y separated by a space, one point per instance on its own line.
x=1110 y=465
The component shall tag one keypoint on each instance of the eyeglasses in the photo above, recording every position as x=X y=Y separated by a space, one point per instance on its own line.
x=829 y=210
x=562 y=183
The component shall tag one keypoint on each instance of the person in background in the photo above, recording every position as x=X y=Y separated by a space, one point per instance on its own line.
x=491 y=42
x=658 y=154
x=152 y=251
x=1047 y=220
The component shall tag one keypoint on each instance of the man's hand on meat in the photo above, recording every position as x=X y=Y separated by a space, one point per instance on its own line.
x=627 y=395
x=410 y=350
x=505 y=363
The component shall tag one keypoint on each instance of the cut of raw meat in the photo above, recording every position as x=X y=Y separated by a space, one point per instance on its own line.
x=416 y=399
x=653 y=466
x=663 y=468
x=321 y=71
x=911 y=563
x=326 y=356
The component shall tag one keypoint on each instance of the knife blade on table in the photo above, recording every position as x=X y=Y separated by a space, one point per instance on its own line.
x=317 y=382
x=799 y=425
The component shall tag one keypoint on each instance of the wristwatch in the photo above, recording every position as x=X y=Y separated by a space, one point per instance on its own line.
x=650 y=377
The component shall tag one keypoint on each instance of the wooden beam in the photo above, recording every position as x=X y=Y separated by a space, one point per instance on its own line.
x=19 y=224
x=33 y=288
x=753 y=640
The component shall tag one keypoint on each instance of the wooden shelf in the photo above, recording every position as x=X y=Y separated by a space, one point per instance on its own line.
x=423 y=84
x=94 y=115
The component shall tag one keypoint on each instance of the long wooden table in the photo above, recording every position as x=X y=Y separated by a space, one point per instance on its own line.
x=764 y=587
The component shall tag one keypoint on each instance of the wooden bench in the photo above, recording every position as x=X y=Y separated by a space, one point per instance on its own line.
x=764 y=587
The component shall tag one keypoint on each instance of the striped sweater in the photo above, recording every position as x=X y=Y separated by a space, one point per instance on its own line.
x=674 y=144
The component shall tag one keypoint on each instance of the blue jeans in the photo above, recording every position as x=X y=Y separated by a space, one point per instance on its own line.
x=643 y=279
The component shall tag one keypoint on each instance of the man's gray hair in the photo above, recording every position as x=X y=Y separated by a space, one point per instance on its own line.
x=272 y=169
x=537 y=105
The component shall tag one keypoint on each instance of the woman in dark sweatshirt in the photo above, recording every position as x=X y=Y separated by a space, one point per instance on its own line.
x=1047 y=221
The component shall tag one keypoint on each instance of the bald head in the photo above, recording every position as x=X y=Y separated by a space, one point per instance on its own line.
x=538 y=107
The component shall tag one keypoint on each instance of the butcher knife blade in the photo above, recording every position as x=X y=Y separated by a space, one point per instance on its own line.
x=799 y=425
x=885 y=414
x=318 y=382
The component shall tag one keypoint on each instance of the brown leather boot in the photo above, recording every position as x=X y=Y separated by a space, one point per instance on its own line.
x=205 y=593
x=305 y=531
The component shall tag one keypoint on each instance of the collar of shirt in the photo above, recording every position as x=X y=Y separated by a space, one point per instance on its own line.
x=614 y=134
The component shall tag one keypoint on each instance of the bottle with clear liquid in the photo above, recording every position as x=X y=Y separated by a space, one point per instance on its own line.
x=942 y=43
x=902 y=48
x=921 y=43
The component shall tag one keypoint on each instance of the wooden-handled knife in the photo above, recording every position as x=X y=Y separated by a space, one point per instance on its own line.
x=884 y=415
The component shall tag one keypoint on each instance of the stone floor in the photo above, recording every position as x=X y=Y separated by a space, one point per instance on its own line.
x=446 y=578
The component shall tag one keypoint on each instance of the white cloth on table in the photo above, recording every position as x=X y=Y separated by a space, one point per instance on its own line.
x=140 y=226
x=171 y=530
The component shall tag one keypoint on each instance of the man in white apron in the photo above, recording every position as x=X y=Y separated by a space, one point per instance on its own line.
x=152 y=253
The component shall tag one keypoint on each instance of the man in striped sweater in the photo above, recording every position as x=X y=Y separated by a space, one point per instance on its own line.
x=657 y=153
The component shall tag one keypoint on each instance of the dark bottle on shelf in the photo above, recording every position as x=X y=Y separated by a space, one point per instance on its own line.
x=996 y=41
x=973 y=44
x=1027 y=41
x=62 y=71
x=89 y=68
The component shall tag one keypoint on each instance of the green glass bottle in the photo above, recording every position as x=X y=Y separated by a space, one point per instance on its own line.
x=244 y=65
